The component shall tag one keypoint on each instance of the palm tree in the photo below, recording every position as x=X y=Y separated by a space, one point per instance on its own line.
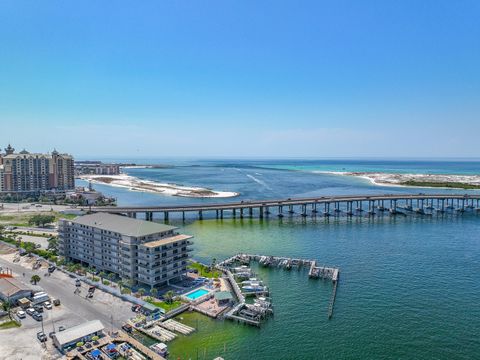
x=141 y=291
x=102 y=274
x=7 y=306
x=154 y=292
x=169 y=296
x=121 y=285
x=112 y=276
x=35 y=279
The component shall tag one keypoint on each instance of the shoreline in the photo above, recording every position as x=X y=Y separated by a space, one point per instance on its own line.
x=135 y=184
x=444 y=181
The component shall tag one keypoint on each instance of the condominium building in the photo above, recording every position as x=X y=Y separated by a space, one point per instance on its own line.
x=142 y=251
x=96 y=168
x=26 y=172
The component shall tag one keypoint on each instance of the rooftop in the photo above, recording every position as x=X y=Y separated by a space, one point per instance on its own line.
x=10 y=286
x=122 y=224
x=78 y=332
x=167 y=240
x=223 y=295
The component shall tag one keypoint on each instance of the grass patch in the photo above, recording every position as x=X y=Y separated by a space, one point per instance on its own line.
x=162 y=304
x=452 y=185
x=204 y=270
x=9 y=325
x=21 y=219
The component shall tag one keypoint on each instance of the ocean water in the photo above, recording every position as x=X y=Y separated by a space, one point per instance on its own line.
x=409 y=286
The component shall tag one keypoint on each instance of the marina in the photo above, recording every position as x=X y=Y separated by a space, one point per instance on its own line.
x=254 y=313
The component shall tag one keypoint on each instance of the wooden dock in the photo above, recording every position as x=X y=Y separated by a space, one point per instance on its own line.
x=176 y=326
x=315 y=272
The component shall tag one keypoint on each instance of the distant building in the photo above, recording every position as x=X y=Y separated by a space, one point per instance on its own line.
x=96 y=168
x=141 y=251
x=32 y=173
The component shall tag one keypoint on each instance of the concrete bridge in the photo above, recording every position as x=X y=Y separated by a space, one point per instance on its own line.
x=326 y=205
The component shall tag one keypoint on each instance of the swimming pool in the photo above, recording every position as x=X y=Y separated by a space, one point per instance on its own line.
x=194 y=295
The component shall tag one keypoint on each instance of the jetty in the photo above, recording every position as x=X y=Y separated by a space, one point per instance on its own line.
x=335 y=205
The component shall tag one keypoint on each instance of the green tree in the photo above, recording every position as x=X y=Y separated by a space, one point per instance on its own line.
x=35 y=279
x=102 y=275
x=29 y=247
x=214 y=262
x=121 y=285
x=52 y=243
x=154 y=292
x=126 y=290
x=168 y=297
x=141 y=291
x=41 y=220
x=7 y=306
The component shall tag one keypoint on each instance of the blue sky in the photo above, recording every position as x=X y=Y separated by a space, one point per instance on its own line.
x=241 y=78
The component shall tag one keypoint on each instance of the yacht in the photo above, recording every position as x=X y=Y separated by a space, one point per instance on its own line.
x=160 y=348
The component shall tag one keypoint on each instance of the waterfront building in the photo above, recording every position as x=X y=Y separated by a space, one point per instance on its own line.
x=96 y=168
x=35 y=173
x=67 y=339
x=140 y=251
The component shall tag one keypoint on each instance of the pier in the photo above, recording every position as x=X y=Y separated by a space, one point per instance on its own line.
x=347 y=205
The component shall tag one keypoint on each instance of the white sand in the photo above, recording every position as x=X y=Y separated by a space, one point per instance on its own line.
x=135 y=184
x=398 y=179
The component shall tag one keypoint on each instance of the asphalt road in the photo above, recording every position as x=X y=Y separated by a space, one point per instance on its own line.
x=103 y=306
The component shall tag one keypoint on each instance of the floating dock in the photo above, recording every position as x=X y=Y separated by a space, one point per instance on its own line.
x=173 y=325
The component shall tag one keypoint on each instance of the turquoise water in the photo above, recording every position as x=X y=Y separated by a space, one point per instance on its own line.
x=409 y=286
x=196 y=294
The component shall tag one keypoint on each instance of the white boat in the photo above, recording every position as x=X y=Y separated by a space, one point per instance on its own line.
x=160 y=348
x=253 y=288
x=244 y=275
x=243 y=268
x=252 y=281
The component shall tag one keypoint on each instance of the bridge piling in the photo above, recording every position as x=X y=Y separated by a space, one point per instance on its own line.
x=433 y=202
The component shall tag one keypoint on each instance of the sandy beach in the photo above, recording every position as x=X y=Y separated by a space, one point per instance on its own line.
x=391 y=179
x=135 y=184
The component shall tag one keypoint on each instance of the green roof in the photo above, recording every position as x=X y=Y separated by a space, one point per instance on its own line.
x=122 y=224
x=150 y=307
x=223 y=295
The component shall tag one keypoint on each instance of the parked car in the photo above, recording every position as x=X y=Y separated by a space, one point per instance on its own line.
x=47 y=305
x=127 y=328
x=37 y=316
x=51 y=268
x=56 y=302
x=30 y=311
x=41 y=336
x=38 y=308
x=78 y=282
x=51 y=333
x=21 y=314
x=61 y=328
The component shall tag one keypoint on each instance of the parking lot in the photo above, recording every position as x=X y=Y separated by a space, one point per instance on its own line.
x=22 y=343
